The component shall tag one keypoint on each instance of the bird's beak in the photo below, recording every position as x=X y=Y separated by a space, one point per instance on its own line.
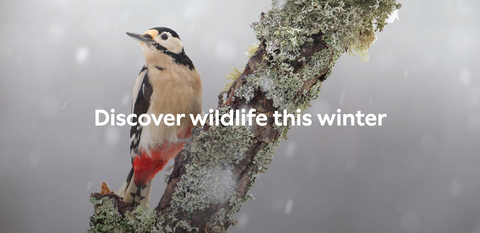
x=140 y=38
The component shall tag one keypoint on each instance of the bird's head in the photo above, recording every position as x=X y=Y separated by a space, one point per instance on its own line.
x=159 y=39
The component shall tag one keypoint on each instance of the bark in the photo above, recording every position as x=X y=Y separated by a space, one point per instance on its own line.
x=204 y=219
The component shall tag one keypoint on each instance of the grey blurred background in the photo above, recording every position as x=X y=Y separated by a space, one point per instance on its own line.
x=62 y=59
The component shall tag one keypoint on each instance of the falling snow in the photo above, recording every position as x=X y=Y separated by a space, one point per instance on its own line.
x=455 y=188
x=290 y=150
x=89 y=185
x=225 y=50
x=342 y=98
x=242 y=220
x=288 y=207
x=81 y=55
x=112 y=135
x=126 y=100
x=465 y=77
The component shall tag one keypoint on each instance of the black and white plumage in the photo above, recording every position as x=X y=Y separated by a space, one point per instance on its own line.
x=167 y=84
x=140 y=106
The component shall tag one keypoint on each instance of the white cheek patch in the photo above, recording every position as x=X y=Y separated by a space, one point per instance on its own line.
x=177 y=45
x=173 y=44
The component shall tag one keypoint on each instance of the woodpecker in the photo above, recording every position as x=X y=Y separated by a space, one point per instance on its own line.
x=168 y=83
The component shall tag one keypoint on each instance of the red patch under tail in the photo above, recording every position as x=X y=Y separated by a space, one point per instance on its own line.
x=147 y=166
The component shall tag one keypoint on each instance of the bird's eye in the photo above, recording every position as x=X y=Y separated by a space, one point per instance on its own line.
x=164 y=36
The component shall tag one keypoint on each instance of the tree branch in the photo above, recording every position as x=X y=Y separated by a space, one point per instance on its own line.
x=300 y=42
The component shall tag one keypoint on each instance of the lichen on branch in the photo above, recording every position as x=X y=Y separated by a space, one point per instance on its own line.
x=345 y=25
x=300 y=41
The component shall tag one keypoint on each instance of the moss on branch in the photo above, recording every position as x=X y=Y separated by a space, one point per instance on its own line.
x=300 y=41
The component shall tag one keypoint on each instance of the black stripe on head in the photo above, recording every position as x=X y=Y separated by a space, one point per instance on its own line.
x=165 y=29
x=179 y=58
x=182 y=58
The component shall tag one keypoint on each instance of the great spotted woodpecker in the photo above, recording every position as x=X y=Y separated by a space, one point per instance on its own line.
x=167 y=84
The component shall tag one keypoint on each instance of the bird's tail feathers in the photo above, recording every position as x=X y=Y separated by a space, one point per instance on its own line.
x=133 y=194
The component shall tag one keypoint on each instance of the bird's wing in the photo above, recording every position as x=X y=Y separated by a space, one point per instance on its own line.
x=141 y=102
